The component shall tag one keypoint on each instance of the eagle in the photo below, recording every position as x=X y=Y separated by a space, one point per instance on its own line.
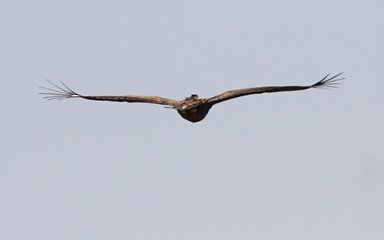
x=193 y=108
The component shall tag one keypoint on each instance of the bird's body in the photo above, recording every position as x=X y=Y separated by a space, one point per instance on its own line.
x=193 y=108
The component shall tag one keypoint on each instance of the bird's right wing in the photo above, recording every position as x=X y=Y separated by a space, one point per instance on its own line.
x=326 y=82
x=64 y=92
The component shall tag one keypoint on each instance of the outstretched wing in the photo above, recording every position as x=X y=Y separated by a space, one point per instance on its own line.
x=326 y=82
x=59 y=92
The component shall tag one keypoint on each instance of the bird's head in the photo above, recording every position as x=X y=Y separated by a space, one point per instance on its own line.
x=193 y=96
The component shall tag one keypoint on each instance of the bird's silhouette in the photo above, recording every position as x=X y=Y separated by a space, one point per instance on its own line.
x=193 y=108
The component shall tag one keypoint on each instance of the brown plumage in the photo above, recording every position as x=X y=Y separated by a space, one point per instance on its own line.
x=193 y=108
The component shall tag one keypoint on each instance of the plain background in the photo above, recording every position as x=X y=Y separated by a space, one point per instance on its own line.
x=303 y=165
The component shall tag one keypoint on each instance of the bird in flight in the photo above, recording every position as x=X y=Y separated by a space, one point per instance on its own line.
x=193 y=108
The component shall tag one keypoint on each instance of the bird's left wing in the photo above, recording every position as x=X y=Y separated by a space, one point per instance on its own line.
x=326 y=82
x=63 y=92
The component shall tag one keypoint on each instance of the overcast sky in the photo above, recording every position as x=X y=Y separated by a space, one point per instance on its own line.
x=300 y=165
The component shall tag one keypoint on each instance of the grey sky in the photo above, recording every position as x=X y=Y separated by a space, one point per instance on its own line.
x=304 y=165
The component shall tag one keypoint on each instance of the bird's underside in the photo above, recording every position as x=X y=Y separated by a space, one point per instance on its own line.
x=193 y=108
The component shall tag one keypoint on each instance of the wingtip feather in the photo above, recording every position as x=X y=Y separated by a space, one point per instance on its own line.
x=58 y=92
x=329 y=82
